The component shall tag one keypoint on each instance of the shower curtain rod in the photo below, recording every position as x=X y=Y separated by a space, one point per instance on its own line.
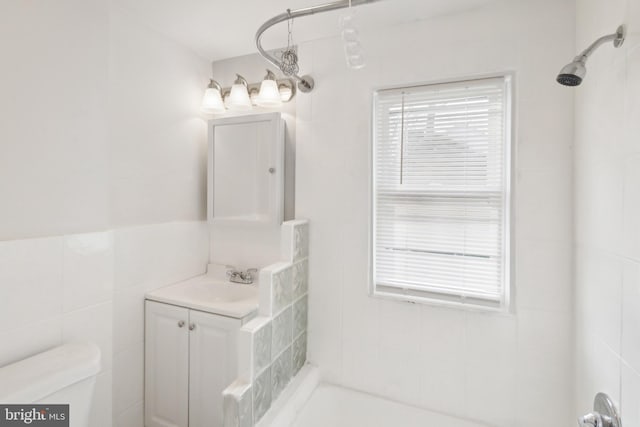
x=305 y=83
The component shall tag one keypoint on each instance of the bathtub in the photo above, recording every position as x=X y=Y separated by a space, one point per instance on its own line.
x=308 y=402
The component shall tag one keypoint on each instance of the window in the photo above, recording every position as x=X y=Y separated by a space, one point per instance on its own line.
x=441 y=191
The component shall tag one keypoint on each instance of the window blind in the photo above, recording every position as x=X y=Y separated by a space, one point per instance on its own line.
x=441 y=192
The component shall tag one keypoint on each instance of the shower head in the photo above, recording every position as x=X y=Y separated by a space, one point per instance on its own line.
x=572 y=74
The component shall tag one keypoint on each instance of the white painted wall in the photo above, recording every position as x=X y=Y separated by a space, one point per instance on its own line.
x=53 y=118
x=493 y=368
x=157 y=138
x=100 y=135
x=607 y=207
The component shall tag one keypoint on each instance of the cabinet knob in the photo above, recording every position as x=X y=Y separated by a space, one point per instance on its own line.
x=192 y=326
x=181 y=324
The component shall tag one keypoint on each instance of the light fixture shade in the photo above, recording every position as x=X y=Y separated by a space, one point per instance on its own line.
x=286 y=93
x=269 y=94
x=239 y=97
x=212 y=101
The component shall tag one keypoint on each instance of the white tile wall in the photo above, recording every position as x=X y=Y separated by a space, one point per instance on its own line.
x=101 y=413
x=466 y=363
x=62 y=289
x=608 y=212
x=147 y=258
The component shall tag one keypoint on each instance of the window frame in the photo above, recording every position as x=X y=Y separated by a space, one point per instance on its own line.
x=505 y=305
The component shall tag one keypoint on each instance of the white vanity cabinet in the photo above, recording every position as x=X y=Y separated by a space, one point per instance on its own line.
x=190 y=358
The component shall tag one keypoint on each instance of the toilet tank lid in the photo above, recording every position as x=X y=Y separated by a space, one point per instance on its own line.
x=36 y=377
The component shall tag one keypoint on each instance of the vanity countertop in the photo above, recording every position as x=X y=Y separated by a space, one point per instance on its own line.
x=210 y=294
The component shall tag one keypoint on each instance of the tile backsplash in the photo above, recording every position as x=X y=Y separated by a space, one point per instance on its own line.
x=273 y=346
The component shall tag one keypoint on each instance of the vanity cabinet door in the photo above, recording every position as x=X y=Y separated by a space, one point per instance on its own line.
x=166 y=365
x=213 y=365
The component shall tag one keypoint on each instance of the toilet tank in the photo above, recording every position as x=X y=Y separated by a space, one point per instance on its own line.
x=63 y=375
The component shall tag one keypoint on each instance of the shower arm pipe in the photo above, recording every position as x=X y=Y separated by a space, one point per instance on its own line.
x=617 y=38
x=305 y=83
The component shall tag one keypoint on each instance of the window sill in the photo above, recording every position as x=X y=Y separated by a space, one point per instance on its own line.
x=442 y=303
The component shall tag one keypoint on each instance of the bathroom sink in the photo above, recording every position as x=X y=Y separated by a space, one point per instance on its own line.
x=210 y=294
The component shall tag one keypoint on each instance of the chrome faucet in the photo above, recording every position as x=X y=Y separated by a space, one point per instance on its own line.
x=239 y=276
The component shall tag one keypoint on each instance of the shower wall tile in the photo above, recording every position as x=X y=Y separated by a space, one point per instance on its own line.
x=254 y=348
x=246 y=409
x=282 y=332
x=282 y=289
x=230 y=410
x=491 y=377
x=262 y=347
x=298 y=353
x=300 y=279
x=280 y=373
x=631 y=314
x=276 y=282
x=300 y=310
x=273 y=347
x=301 y=238
x=238 y=405
x=295 y=240
x=631 y=212
x=542 y=276
x=601 y=277
x=443 y=355
x=540 y=355
x=262 y=388
x=629 y=408
x=544 y=210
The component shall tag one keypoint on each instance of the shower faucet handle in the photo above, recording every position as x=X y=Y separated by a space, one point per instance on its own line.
x=594 y=419
x=604 y=414
x=590 y=420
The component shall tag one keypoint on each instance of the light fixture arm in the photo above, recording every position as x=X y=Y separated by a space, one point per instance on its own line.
x=214 y=85
x=305 y=83
x=617 y=38
x=241 y=81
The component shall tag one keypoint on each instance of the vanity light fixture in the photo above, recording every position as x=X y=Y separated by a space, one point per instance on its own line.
x=242 y=96
x=212 y=100
x=269 y=95
x=238 y=99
